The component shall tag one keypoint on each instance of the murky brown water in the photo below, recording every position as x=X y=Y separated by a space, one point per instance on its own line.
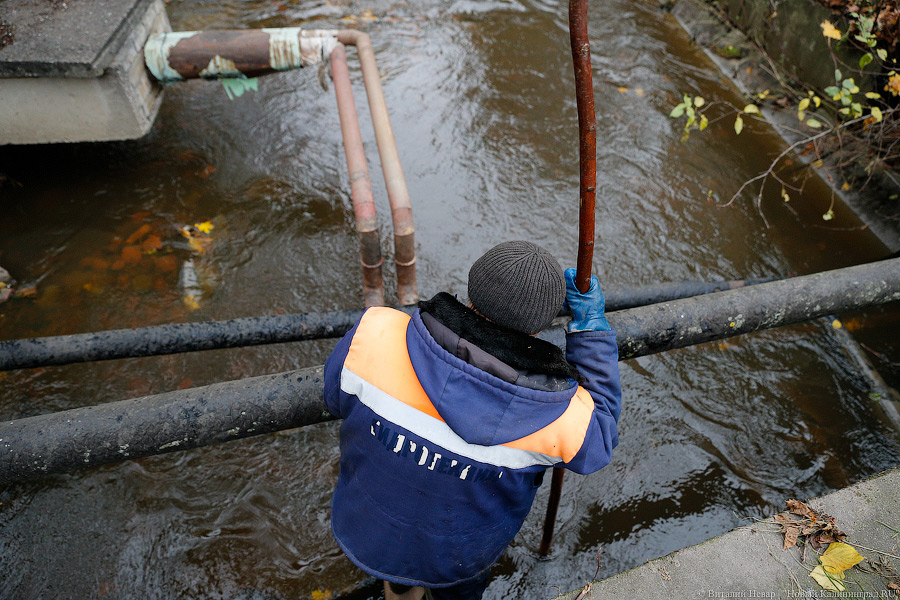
x=481 y=101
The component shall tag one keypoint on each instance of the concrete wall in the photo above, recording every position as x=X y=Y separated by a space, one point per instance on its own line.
x=119 y=104
x=789 y=31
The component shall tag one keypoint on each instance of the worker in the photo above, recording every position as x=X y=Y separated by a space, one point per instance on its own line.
x=452 y=415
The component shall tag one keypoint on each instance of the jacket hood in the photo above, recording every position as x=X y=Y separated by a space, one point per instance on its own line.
x=458 y=390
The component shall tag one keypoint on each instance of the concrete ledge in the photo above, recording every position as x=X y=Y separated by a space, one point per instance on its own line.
x=66 y=100
x=748 y=562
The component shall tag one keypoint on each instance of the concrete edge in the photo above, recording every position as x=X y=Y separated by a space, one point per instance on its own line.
x=748 y=562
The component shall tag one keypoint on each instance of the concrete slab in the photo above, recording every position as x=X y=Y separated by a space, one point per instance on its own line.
x=67 y=38
x=79 y=75
x=748 y=562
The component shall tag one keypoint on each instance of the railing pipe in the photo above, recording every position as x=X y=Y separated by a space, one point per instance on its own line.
x=82 y=437
x=398 y=194
x=360 y=184
x=174 y=338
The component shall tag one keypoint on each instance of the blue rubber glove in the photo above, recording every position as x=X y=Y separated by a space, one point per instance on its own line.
x=588 y=308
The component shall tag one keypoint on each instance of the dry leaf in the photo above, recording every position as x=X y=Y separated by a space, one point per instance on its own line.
x=801 y=509
x=790 y=536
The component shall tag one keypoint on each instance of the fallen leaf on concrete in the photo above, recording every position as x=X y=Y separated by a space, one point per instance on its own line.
x=801 y=509
x=828 y=581
x=790 y=536
x=839 y=557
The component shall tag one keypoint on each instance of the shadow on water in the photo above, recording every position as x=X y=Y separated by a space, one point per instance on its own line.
x=480 y=94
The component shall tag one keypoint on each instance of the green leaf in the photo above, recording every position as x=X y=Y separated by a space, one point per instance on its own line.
x=235 y=87
x=865 y=60
x=847 y=83
x=738 y=125
x=698 y=101
x=813 y=123
x=703 y=122
x=846 y=100
x=882 y=54
x=832 y=90
x=829 y=215
x=677 y=111
x=837 y=75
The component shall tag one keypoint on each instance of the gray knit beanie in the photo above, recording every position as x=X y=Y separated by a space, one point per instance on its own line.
x=518 y=285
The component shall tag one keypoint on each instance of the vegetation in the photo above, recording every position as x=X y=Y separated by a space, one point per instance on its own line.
x=853 y=126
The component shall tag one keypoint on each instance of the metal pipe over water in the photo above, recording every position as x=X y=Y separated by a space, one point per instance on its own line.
x=177 y=56
x=180 y=420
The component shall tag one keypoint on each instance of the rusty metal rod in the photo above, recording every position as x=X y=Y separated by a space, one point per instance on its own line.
x=587 y=155
x=398 y=194
x=73 y=439
x=174 y=338
x=360 y=184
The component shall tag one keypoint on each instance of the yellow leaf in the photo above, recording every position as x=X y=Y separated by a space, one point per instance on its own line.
x=785 y=195
x=830 y=31
x=639 y=91
x=845 y=186
x=751 y=109
x=829 y=215
x=190 y=302
x=876 y=114
x=703 y=122
x=698 y=101
x=829 y=582
x=321 y=595
x=893 y=84
x=205 y=226
x=839 y=557
x=837 y=324
x=817 y=163
x=804 y=104
x=738 y=125
x=623 y=90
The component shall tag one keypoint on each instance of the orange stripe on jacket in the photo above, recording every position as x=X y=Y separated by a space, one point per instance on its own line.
x=564 y=436
x=378 y=354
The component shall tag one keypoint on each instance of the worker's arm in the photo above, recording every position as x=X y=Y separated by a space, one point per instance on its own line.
x=591 y=347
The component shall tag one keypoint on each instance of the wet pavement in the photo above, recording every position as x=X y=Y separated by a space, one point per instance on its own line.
x=480 y=96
